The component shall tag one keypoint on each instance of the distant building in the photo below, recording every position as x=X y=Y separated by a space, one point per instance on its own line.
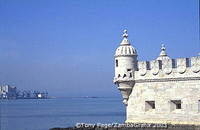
x=8 y=92
x=163 y=90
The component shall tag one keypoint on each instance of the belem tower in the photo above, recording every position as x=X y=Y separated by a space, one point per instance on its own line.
x=163 y=90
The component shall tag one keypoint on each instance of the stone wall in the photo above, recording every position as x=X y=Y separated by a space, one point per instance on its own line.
x=166 y=91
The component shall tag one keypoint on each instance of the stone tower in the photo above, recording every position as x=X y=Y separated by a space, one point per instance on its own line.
x=163 y=90
x=125 y=65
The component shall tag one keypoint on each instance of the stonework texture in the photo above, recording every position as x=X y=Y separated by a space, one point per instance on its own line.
x=164 y=90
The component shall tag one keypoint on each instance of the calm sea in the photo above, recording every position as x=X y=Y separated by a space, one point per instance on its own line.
x=42 y=114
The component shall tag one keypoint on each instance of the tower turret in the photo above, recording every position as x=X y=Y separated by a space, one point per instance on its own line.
x=125 y=66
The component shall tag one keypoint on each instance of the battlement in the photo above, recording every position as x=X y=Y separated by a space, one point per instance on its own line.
x=164 y=89
x=169 y=66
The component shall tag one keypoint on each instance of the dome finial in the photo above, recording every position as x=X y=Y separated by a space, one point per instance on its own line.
x=163 y=47
x=163 y=53
x=125 y=35
x=163 y=50
x=125 y=38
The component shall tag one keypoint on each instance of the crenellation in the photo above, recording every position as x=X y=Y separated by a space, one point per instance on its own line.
x=181 y=67
x=167 y=66
x=161 y=90
x=142 y=67
x=155 y=66
x=195 y=64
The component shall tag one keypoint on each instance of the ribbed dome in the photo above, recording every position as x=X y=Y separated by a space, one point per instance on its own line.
x=125 y=47
x=125 y=50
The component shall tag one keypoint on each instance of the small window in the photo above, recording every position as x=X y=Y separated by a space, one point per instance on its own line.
x=175 y=104
x=149 y=105
x=131 y=75
x=119 y=75
x=116 y=62
x=128 y=69
x=124 y=75
x=178 y=106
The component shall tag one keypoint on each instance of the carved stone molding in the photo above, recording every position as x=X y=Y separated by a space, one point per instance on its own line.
x=181 y=65
x=195 y=64
x=167 y=66
x=155 y=67
x=167 y=79
x=142 y=68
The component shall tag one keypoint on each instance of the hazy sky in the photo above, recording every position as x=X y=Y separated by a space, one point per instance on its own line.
x=66 y=46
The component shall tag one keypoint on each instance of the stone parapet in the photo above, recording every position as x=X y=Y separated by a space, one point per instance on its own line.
x=168 y=68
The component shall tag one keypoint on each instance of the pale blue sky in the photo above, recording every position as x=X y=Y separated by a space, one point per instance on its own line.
x=66 y=46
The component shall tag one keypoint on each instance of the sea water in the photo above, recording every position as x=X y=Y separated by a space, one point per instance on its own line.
x=43 y=114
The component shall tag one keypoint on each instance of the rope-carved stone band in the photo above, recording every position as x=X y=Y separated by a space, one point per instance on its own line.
x=167 y=79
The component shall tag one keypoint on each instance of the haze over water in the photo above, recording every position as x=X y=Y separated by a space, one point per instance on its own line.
x=34 y=114
x=67 y=47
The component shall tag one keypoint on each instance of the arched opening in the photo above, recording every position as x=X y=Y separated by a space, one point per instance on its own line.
x=131 y=75
x=116 y=63
x=124 y=76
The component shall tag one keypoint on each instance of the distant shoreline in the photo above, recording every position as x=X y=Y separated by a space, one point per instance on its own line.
x=23 y=98
x=84 y=97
